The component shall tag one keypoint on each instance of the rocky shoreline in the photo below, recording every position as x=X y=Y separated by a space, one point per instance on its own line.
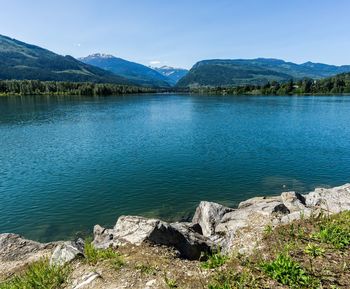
x=213 y=227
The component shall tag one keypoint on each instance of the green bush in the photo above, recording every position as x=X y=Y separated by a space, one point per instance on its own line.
x=39 y=275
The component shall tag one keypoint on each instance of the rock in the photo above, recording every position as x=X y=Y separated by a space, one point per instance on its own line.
x=332 y=200
x=193 y=244
x=280 y=209
x=87 y=279
x=208 y=215
x=14 y=248
x=250 y=202
x=16 y=253
x=137 y=230
x=243 y=227
x=293 y=201
x=66 y=252
x=151 y=284
x=103 y=238
x=294 y=216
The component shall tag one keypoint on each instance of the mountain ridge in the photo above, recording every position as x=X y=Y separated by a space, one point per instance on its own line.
x=257 y=71
x=20 y=60
x=138 y=73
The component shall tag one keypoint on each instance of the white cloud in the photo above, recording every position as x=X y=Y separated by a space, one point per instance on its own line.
x=155 y=62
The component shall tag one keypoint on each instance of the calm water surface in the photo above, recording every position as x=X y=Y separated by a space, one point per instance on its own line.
x=68 y=163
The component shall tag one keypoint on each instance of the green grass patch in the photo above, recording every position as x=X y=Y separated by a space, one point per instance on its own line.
x=334 y=230
x=39 y=275
x=287 y=272
x=234 y=280
x=93 y=256
x=214 y=260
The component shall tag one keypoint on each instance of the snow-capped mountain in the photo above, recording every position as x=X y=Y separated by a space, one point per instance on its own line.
x=173 y=74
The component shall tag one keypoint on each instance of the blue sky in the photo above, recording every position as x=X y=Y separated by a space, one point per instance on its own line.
x=181 y=32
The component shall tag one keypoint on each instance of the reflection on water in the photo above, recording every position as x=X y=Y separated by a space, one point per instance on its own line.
x=67 y=163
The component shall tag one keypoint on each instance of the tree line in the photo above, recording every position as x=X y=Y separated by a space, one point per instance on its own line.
x=36 y=87
x=333 y=85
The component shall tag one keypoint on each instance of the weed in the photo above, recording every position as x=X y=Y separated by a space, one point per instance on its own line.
x=314 y=251
x=93 y=256
x=334 y=234
x=171 y=283
x=233 y=280
x=214 y=260
x=146 y=269
x=268 y=230
x=39 y=275
x=287 y=272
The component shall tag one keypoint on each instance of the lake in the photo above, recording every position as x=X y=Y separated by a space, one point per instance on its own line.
x=68 y=163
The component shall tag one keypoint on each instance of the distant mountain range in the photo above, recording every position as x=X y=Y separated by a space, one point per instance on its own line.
x=136 y=72
x=19 y=60
x=258 y=71
x=173 y=74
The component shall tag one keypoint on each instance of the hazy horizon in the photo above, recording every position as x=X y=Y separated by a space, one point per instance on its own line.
x=181 y=33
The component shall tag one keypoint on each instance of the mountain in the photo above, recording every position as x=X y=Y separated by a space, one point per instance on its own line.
x=139 y=73
x=223 y=72
x=173 y=74
x=19 y=60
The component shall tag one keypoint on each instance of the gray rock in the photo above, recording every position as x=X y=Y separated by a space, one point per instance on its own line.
x=16 y=253
x=208 y=215
x=137 y=230
x=66 y=252
x=332 y=200
x=293 y=201
x=103 y=238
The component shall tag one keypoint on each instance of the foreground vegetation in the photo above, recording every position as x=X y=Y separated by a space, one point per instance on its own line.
x=39 y=275
x=305 y=254
x=309 y=253
x=334 y=85
x=36 y=87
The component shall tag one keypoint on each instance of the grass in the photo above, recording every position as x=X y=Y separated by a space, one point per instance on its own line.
x=335 y=232
x=287 y=272
x=171 y=283
x=234 y=280
x=214 y=260
x=309 y=253
x=146 y=269
x=39 y=275
x=93 y=256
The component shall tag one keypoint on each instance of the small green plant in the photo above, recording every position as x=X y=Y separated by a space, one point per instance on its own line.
x=93 y=256
x=333 y=233
x=39 y=275
x=146 y=269
x=268 y=230
x=214 y=260
x=287 y=272
x=171 y=283
x=314 y=251
x=233 y=280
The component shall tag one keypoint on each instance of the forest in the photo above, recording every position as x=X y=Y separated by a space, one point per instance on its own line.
x=36 y=87
x=338 y=84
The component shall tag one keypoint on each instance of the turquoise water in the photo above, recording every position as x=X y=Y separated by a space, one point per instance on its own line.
x=68 y=163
